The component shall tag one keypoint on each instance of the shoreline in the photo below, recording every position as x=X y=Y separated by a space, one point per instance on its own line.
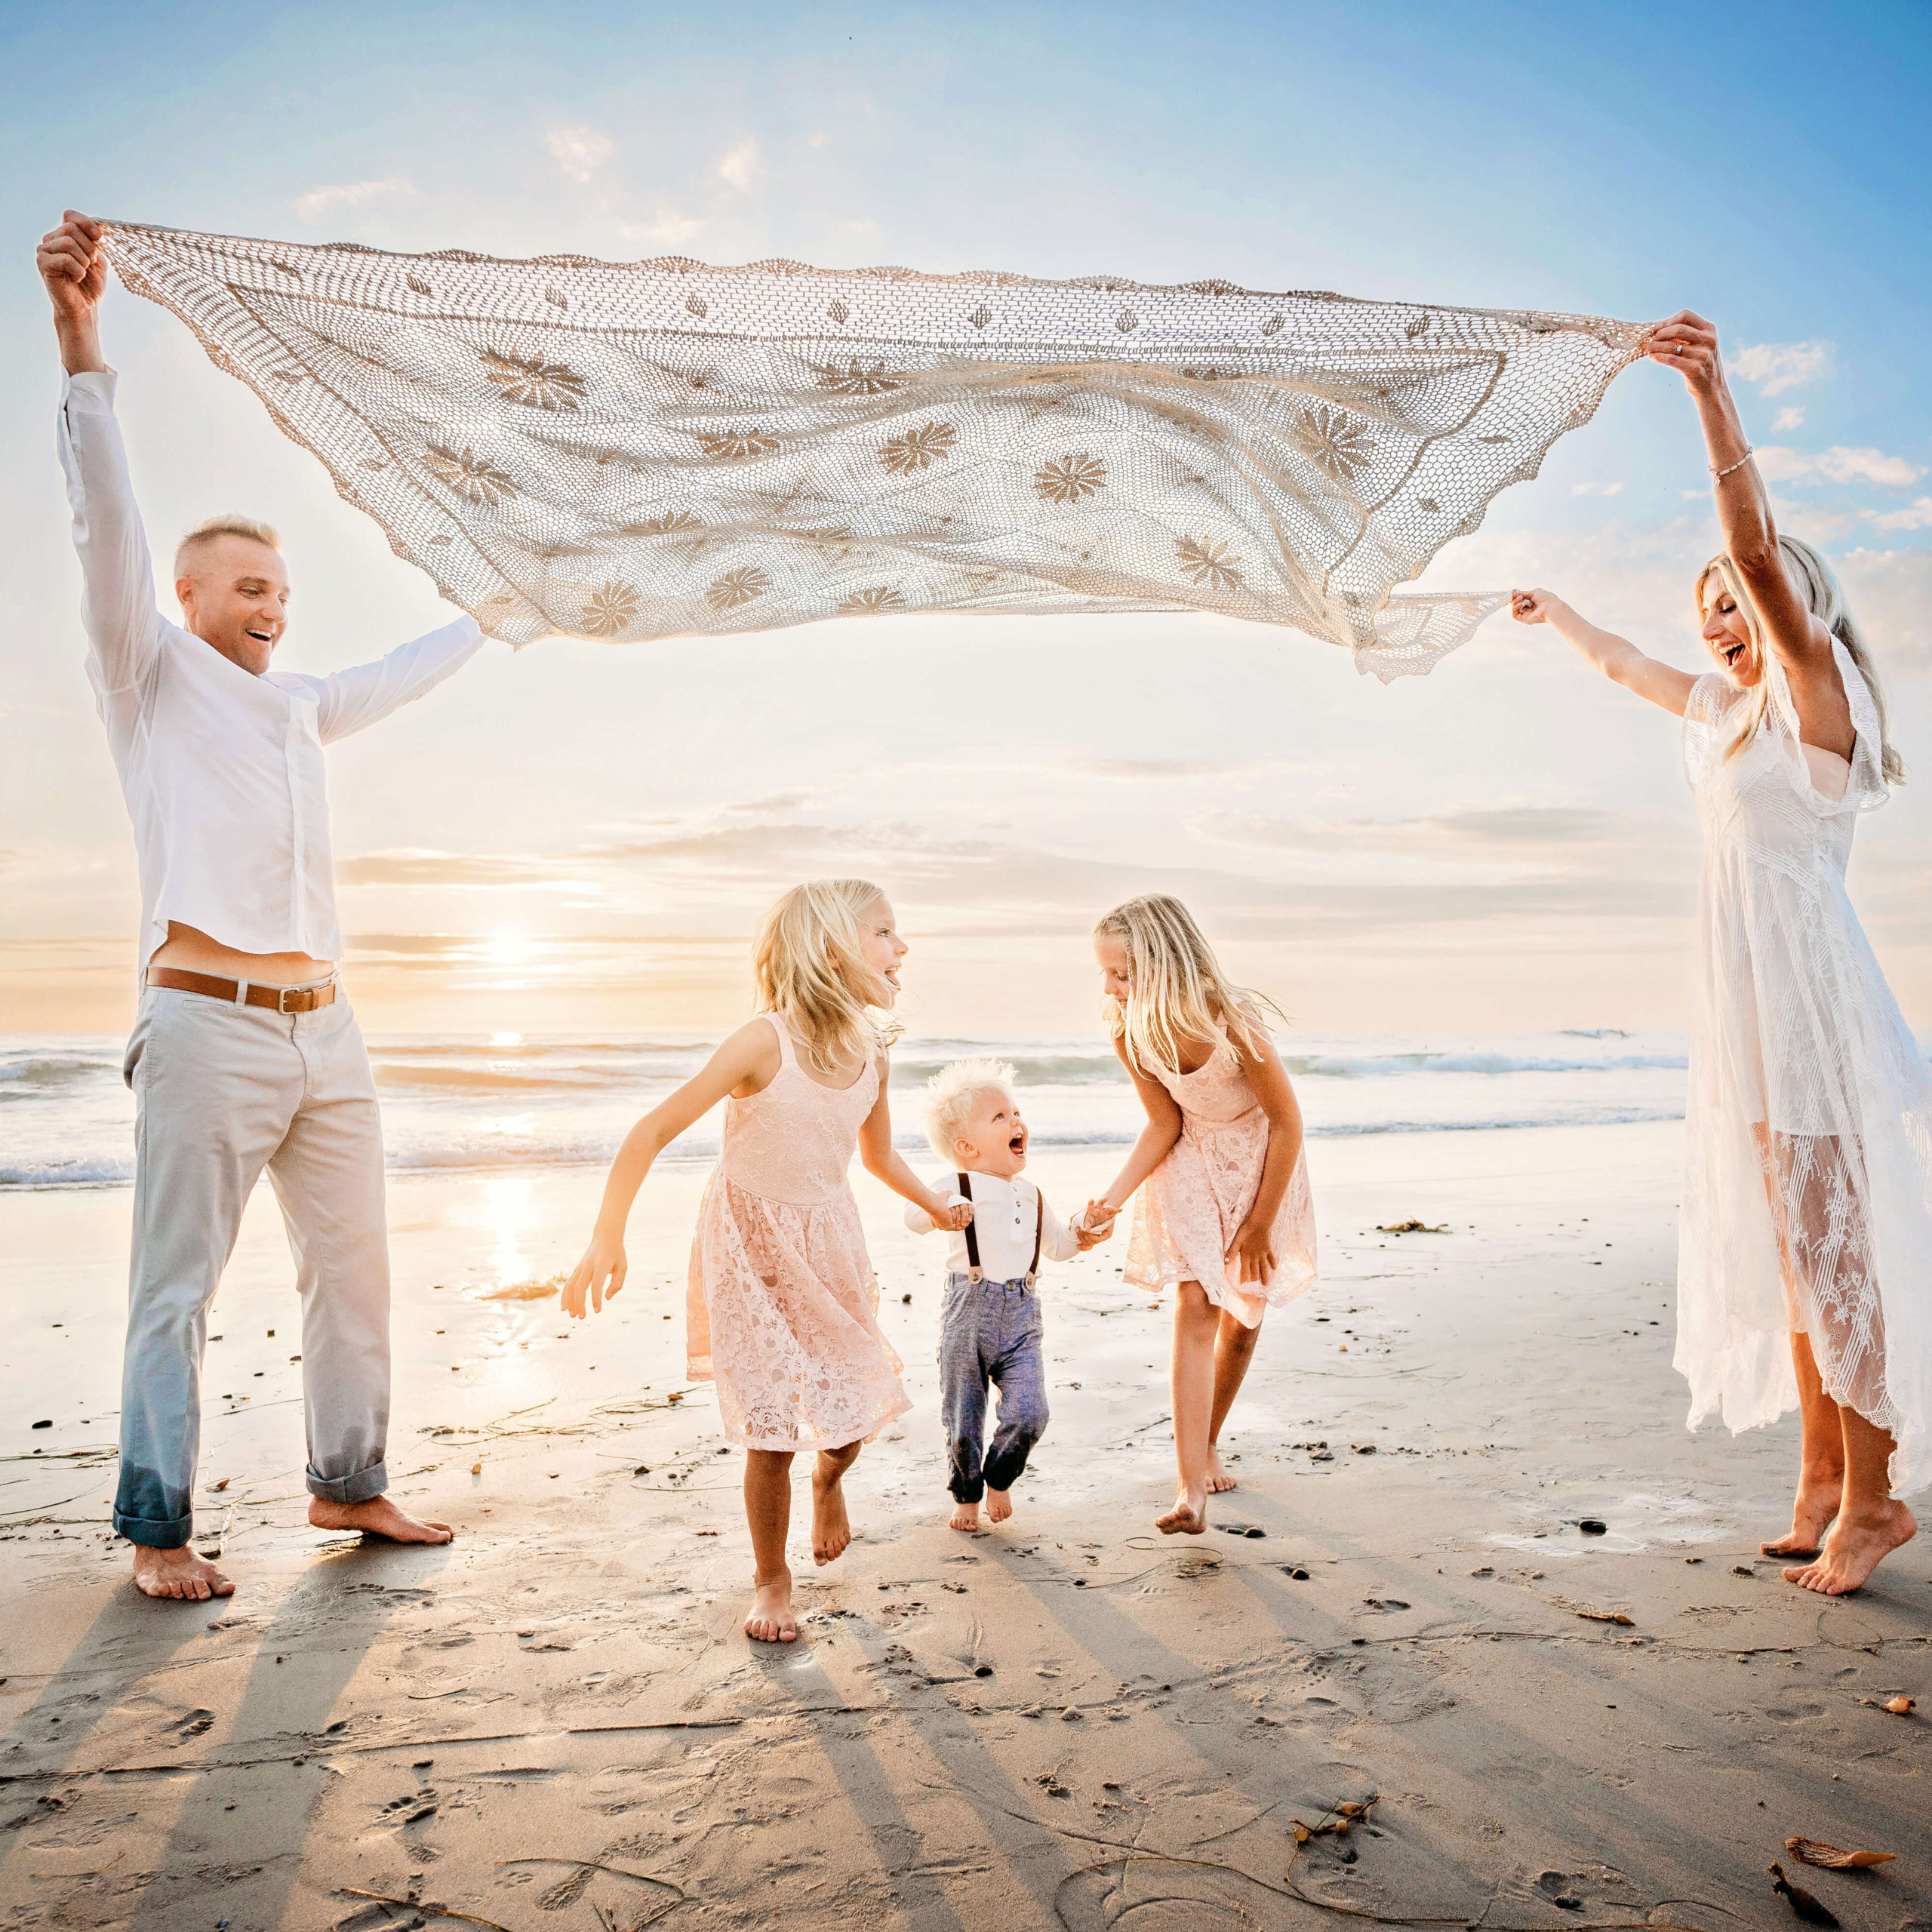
x=1071 y=1721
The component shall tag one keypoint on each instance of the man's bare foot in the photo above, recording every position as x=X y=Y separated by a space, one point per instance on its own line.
x=965 y=1516
x=999 y=1503
x=378 y=1516
x=180 y=1574
x=770 y=1619
x=1219 y=1481
x=832 y=1529
x=1854 y=1549
x=1819 y=1493
x=1188 y=1517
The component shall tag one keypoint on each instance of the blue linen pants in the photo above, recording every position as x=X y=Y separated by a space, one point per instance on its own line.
x=222 y=1093
x=990 y=1333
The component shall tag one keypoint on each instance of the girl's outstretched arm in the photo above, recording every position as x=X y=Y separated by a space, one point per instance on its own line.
x=1254 y=1245
x=748 y=1060
x=1149 y=1150
x=1617 y=657
x=884 y=1162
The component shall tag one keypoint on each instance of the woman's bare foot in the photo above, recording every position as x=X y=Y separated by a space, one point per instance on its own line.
x=832 y=1529
x=965 y=1516
x=999 y=1503
x=1219 y=1481
x=378 y=1516
x=769 y=1620
x=1819 y=1493
x=180 y=1574
x=1188 y=1517
x=1855 y=1549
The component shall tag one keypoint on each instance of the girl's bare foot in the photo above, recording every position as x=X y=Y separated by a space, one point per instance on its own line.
x=770 y=1619
x=1219 y=1481
x=1188 y=1517
x=1819 y=1493
x=1854 y=1549
x=180 y=1574
x=378 y=1516
x=999 y=1503
x=832 y=1529
x=965 y=1516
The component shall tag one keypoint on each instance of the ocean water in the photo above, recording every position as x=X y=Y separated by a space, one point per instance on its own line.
x=508 y=1101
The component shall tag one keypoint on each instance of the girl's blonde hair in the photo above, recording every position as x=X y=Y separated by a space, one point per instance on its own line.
x=1824 y=597
x=1179 y=991
x=809 y=971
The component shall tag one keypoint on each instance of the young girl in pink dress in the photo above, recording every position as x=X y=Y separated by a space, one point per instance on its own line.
x=783 y=1309
x=1224 y=1215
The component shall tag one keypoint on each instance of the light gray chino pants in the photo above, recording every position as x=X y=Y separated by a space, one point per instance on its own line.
x=222 y=1092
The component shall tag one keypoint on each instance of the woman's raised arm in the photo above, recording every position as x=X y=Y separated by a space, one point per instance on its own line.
x=1617 y=657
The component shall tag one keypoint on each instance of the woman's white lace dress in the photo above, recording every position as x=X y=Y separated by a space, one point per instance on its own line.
x=1808 y=1185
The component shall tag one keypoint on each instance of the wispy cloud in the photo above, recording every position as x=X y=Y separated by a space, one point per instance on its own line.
x=1836 y=465
x=1791 y=416
x=667 y=228
x=1596 y=489
x=1775 y=366
x=1917 y=515
x=578 y=152
x=738 y=168
x=417 y=867
x=320 y=203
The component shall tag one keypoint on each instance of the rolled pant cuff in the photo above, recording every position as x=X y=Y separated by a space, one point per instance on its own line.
x=364 y=1486
x=172 y=1533
x=964 y=1491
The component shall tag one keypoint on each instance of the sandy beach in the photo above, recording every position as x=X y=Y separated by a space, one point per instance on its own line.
x=1071 y=1721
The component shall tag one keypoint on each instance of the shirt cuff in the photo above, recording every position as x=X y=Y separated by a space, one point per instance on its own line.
x=91 y=393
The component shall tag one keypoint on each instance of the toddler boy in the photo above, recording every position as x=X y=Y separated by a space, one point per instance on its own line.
x=990 y=1329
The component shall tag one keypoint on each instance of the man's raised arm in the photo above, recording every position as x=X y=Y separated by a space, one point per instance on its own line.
x=117 y=604
x=365 y=693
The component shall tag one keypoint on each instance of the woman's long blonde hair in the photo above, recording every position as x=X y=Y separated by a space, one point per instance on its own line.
x=1824 y=597
x=1179 y=991
x=809 y=972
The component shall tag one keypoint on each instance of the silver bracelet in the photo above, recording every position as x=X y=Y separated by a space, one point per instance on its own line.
x=1721 y=474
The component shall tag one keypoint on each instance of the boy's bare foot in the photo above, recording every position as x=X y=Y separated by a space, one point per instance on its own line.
x=999 y=1503
x=1818 y=1492
x=1219 y=1481
x=965 y=1516
x=180 y=1574
x=378 y=1516
x=1188 y=1517
x=1854 y=1549
x=832 y=1529
x=770 y=1619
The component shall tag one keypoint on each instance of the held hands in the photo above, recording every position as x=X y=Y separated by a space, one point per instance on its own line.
x=597 y=1276
x=956 y=1215
x=70 y=263
x=1253 y=1246
x=1095 y=1225
x=1688 y=344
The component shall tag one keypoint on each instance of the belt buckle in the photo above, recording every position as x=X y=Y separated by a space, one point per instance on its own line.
x=305 y=994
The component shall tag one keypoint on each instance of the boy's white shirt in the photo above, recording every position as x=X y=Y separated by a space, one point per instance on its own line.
x=1003 y=1218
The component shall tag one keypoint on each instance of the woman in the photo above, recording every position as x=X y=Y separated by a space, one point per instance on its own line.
x=1807 y=1193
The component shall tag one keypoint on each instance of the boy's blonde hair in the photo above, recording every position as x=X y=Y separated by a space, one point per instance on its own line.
x=205 y=533
x=809 y=971
x=950 y=1094
x=1179 y=991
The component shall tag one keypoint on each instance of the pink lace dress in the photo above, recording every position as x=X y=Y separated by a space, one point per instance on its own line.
x=782 y=1307
x=1189 y=1207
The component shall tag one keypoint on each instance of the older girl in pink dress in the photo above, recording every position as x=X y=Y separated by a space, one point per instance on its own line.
x=1224 y=1215
x=783 y=1309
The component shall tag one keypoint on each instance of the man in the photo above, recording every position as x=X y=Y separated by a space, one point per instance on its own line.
x=244 y=1054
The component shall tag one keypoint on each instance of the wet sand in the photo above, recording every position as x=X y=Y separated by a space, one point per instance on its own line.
x=1071 y=1721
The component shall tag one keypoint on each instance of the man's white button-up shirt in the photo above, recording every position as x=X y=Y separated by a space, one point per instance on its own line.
x=1003 y=1218
x=221 y=771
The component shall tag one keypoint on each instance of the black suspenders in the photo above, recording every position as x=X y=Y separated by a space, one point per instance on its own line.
x=974 y=1273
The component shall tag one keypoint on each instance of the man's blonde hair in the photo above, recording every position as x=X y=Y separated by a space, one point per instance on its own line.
x=810 y=973
x=205 y=532
x=950 y=1095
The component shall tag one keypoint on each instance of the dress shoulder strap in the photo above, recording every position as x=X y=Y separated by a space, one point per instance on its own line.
x=787 y=1052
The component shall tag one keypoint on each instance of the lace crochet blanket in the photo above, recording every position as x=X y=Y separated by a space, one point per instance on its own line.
x=664 y=449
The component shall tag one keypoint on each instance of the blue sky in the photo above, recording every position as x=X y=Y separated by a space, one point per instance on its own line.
x=1765 y=164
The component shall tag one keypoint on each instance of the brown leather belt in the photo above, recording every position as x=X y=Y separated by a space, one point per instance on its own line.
x=277 y=999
